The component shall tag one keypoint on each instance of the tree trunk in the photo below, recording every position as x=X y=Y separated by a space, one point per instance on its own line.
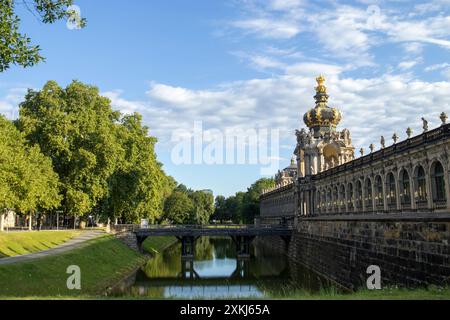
x=30 y=222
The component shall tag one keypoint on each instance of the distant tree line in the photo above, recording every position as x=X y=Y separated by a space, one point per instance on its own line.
x=242 y=207
x=69 y=151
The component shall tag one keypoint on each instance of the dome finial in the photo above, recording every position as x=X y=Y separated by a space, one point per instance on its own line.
x=320 y=84
x=322 y=115
x=321 y=96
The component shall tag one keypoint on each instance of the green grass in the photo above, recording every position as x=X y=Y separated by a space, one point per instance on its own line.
x=157 y=244
x=18 y=243
x=103 y=262
x=430 y=293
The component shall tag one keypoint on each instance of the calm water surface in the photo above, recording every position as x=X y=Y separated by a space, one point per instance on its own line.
x=216 y=273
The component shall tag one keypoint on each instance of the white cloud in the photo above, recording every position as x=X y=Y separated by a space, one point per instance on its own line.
x=268 y=28
x=439 y=66
x=413 y=47
x=405 y=65
x=369 y=109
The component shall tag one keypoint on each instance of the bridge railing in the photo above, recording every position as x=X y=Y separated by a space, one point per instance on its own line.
x=118 y=228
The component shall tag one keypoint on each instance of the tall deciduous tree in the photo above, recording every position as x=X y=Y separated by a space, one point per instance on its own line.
x=251 y=199
x=75 y=127
x=27 y=180
x=138 y=187
x=178 y=207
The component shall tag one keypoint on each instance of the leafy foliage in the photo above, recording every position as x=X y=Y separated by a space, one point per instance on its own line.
x=185 y=206
x=16 y=48
x=243 y=207
x=105 y=161
x=27 y=179
x=75 y=127
x=138 y=187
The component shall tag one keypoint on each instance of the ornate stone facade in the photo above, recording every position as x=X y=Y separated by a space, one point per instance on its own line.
x=409 y=176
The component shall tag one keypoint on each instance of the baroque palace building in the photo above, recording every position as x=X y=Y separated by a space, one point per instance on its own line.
x=409 y=176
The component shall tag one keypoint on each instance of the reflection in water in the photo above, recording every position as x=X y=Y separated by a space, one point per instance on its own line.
x=216 y=273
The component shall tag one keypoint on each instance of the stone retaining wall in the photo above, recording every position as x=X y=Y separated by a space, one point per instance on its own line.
x=408 y=251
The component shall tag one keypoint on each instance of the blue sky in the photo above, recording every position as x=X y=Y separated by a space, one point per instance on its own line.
x=249 y=64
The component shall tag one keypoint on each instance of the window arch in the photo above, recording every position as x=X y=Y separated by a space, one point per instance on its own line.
x=405 y=189
x=329 y=200
x=324 y=200
x=350 y=197
x=420 y=192
x=391 y=194
x=358 y=196
x=379 y=193
x=335 y=198
x=368 y=195
x=342 y=198
x=318 y=206
x=438 y=184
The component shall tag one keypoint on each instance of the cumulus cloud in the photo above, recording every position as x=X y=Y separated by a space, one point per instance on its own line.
x=371 y=106
x=349 y=31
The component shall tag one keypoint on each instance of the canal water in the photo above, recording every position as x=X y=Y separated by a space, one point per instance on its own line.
x=217 y=273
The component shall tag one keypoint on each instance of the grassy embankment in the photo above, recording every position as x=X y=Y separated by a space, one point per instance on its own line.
x=18 y=243
x=157 y=244
x=103 y=262
x=430 y=293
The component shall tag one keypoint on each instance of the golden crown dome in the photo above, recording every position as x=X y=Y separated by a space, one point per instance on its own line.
x=322 y=115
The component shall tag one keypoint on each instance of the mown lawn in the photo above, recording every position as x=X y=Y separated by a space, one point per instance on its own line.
x=103 y=262
x=18 y=243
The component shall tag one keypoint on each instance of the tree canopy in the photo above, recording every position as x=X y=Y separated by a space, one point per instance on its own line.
x=105 y=161
x=243 y=207
x=15 y=47
x=27 y=180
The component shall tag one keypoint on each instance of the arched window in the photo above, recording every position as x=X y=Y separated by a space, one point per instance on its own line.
x=318 y=206
x=329 y=199
x=391 y=194
x=420 y=192
x=335 y=198
x=342 y=198
x=405 y=190
x=324 y=200
x=438 y=184
x=358 y=195
x=379 y=193
x=350 y=197
x=368 y=195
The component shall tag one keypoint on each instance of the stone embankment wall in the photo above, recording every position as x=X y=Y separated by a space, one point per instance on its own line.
x=125 y=234
x=410 y=249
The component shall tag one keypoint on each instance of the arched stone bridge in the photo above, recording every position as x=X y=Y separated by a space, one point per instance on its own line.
x=242 y=235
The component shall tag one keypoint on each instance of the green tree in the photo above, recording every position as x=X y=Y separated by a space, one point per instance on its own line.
x=15 y=47
x=76 y=128
x=220 y=208
x=250 y=208
x=27 y=180
x=138 y=187
x=203 y=207
x=178 y=208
